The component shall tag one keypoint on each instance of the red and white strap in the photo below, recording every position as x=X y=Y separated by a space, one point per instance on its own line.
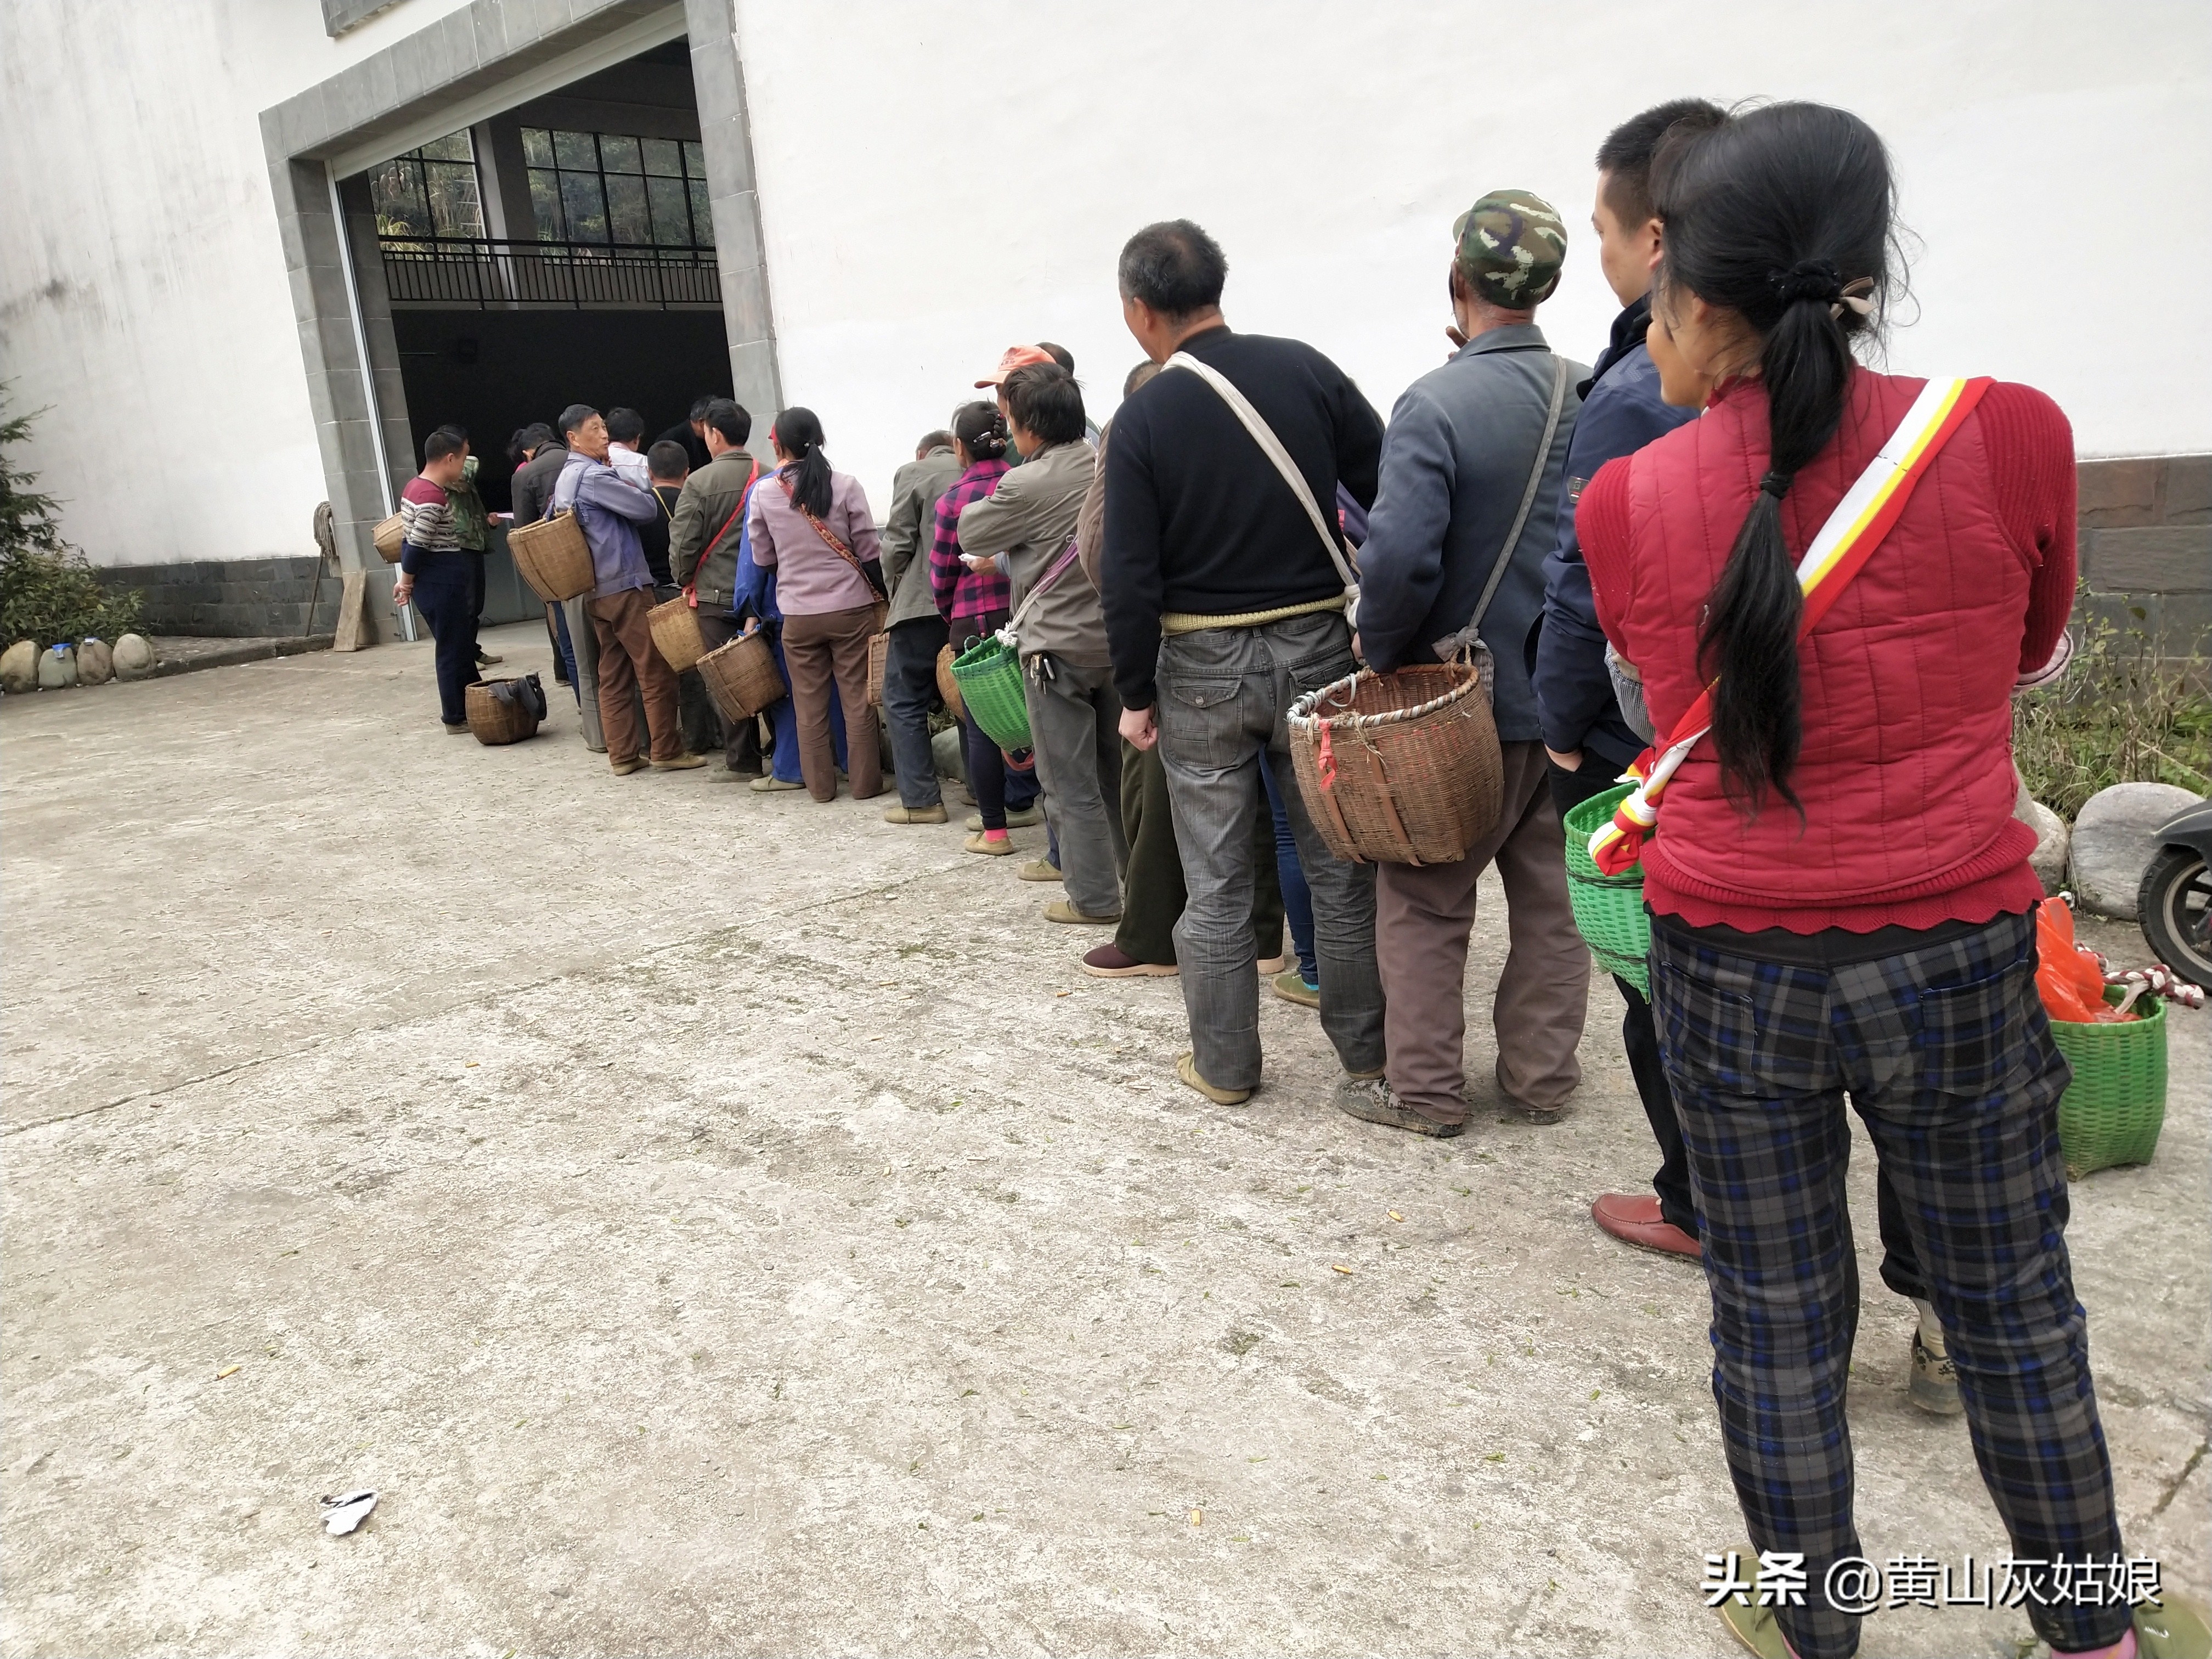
x=1869 y=511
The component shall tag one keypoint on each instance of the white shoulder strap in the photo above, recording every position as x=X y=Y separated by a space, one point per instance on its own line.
x=1264 y=436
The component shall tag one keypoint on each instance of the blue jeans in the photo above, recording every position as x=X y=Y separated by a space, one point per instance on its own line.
x=1223 y=694
x=1298 y=898
x=910 y=695
x=567 y=650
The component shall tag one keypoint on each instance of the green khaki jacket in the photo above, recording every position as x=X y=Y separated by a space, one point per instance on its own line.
x=909 y=528
x=708 y=526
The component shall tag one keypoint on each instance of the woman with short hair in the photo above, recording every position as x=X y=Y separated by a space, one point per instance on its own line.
x=1841 y=897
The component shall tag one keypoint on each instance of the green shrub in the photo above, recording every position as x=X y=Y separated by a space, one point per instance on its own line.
x=2121 y=713
x=48 y=592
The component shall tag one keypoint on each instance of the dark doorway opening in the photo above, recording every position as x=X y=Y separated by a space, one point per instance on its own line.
x=559 y=253
x=494 y=372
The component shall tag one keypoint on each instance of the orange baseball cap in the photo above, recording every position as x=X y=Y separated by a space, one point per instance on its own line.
x=1014 y=358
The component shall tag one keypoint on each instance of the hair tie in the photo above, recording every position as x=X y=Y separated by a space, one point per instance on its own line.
x=1808 y=279
x=1776 y=485
x=1857 y=295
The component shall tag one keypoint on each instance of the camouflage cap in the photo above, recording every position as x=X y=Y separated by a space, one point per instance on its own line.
x=1511 y=246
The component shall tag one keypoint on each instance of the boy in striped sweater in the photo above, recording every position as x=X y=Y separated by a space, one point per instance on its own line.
x=435 y=574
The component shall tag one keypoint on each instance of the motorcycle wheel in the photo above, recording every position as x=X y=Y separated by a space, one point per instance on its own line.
x=2175 y=906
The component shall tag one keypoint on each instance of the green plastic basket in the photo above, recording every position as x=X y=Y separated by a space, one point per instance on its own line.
x=2112 y=1110
x=990 y=678
x=1609 y=909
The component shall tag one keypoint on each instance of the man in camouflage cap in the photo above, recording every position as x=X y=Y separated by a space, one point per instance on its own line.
x=1512 y=246
x=1455 y=555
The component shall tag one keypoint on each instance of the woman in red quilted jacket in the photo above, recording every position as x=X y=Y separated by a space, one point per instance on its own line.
x=1841 y=898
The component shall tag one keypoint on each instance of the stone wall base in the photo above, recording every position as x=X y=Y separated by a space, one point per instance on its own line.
x=231 y=598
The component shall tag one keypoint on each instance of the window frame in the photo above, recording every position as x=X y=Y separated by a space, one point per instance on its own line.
x=548 y=186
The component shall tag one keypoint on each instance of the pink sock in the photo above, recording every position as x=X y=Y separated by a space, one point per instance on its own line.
x=994 y=835
x=2123 y=1648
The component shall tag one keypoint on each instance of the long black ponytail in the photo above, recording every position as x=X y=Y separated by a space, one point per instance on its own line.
x=800 y=434
x=1786 y=216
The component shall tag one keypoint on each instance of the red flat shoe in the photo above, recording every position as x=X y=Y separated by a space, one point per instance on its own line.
x=1635 y=1220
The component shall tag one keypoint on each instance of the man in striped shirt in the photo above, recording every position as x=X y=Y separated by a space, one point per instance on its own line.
x=435 y=574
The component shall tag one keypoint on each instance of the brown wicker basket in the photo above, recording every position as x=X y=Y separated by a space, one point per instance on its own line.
x=676 y=633
x=495 y=721
x=947 y=687
x=741 y=676
x=1400 y=768
x=879 y=652
x=553 y=557
x=390 y=537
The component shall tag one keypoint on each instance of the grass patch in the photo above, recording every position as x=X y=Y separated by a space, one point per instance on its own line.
x=2121 y=713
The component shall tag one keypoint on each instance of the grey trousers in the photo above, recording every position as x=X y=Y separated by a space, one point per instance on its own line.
x=586 y=644
x=1223 y=694
x=1075 y=720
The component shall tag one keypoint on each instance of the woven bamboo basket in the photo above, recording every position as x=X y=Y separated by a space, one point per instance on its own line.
x=676 y=633
x=2112 y=1110
x=879 y=652
x=1609 y=909
x=947 y=687
x=1402 y=767
x=553 y=557
x=389 y=535
x=494 y=719
x=990 y=680
x=742 y=678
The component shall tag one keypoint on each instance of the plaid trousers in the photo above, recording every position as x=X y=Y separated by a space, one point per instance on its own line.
x=1947 y=1056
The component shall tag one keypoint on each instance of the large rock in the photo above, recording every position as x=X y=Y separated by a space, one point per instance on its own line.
x=95 y=662
x=2114 y=840
x=2053 y=841
x=57 y=668
x=19 y=666
x=134 y=657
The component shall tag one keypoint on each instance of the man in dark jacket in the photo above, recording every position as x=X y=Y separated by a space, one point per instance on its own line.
x=1454 y=559
x=703 y=538
x=691 y=431
x=530 y=491
x=1225 y=602
x=1586 y=737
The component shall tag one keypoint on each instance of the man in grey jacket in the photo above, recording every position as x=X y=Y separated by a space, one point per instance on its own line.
x=704 y=534
x=1465 y=511
x=1068 y=673
x=918 y=632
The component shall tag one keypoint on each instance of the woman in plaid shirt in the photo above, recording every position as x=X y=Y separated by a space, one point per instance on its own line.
x=972 y=595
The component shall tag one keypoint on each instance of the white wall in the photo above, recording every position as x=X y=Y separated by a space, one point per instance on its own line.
x=143 y=300
x=935 y=186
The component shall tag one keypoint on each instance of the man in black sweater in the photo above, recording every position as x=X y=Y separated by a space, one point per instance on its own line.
x=1225 y=600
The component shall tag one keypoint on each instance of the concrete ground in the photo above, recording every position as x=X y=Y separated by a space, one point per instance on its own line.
x=715 y=1222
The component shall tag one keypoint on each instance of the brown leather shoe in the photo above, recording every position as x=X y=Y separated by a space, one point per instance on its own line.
x=683 y=762
x=1112 y=962
x=1634 y=1218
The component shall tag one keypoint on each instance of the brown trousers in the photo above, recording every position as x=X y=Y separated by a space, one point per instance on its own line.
x=629 y=661
x=1422 y=916
x=817 y=647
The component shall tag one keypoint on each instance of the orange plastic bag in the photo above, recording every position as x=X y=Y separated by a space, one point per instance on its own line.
x=2069 y=976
